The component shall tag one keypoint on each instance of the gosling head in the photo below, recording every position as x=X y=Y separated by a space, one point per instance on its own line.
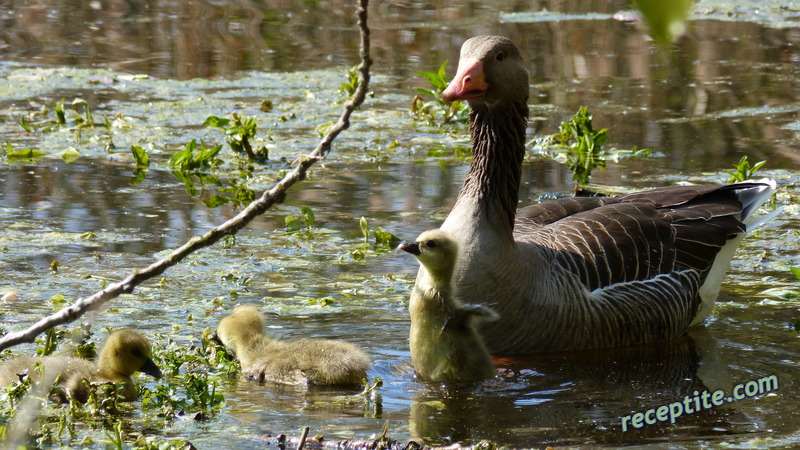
x=436 y=251
x=124 y=353
x=244 y=322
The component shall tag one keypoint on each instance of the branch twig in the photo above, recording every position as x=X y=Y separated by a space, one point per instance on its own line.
x=232 y=226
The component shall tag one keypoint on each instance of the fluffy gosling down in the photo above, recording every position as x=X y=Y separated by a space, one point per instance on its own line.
x=445 y=343
x=124 y=353
x=322 y=362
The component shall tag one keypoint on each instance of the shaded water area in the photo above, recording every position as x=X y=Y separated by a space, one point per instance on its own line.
x=730 y=86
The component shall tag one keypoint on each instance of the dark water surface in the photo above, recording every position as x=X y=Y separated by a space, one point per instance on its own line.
x=156 y=70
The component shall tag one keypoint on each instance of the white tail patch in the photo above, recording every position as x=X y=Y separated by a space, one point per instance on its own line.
x=752 y=198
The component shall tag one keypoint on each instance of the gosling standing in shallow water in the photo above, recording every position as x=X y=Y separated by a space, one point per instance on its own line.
x=445 y=344
x=124 y=353
x=311 y=361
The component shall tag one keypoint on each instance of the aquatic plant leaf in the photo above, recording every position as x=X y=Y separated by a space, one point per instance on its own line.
x=293 y=223
x=795 y=271
x=744 y=171
x=87 y=119
x=386 y=238
x=141 y=156
x=308 y=216
x=26 y=153
x=138 y=175
x=216 y=200
x=61 y=118
x=364 y=228
x=216 y=122
x=70 y=155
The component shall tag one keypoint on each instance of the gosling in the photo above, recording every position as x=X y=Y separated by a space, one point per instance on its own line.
x=445 y=343
x=321 y=362
x=124 y=353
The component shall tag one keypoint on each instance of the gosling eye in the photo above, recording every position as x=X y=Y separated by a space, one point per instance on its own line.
x=431 y=244
x=136 y=352
x=501 y=55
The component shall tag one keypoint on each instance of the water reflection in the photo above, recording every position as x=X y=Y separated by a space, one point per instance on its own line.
x=724 y=89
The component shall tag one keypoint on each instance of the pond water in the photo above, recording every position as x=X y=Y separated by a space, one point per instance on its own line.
x=728 y=87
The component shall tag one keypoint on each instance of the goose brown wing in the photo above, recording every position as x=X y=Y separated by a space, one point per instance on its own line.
x=636 y=237
x=552 y=211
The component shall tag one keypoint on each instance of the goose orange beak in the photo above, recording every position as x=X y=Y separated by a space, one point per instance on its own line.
x=469 y=82
x=410 y=247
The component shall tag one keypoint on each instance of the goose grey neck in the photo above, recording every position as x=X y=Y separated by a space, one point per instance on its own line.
x=498 y=145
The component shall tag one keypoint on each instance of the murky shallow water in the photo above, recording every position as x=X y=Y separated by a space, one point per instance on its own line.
x=730 y=88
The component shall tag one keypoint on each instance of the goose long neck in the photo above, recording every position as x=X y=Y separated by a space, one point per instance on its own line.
x=498 y=144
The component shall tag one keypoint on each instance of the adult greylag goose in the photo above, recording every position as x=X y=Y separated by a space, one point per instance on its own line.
x=444 y=339
x=302 y=361
x=578 y=273
x=124 y=353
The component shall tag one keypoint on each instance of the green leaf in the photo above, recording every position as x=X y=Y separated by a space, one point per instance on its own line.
x=87 y=113
x=217 y=122
x=364 y=228
x=141 y=156
x=308 y=216
x=60 y=116
x=70 y=155
x=26 y=153
x=795 y=271
x=182 y=157
x=138 y=175
x=383 y=237
x=293 y=223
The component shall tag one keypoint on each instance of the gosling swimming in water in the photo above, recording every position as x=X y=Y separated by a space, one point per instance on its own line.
x=124 y=353
x=445 y=343
x=312 y=361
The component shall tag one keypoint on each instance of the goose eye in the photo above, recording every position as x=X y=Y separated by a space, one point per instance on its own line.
x=136 y=352
x=431 y=244
x=500 y=56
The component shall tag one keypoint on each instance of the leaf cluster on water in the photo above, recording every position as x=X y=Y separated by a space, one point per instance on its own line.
x=429 y=106
x=580 y=146
x=743 y=170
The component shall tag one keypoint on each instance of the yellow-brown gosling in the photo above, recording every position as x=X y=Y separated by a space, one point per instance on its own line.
x=124 y=353
x=445 y=344
x=302 y=361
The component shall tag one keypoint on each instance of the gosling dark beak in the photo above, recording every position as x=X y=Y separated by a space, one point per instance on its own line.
x=410 y=247
x=215 y=338
x=150 y=368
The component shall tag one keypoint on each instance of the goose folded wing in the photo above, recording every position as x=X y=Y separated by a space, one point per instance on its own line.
x=627 y=241
x=552 y=211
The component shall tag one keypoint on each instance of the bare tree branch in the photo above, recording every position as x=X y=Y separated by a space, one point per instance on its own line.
x=232 y=226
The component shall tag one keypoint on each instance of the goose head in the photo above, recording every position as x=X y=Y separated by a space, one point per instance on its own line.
x=235 y=330
x=490 y=72
x=125 y=353
x=437 y=252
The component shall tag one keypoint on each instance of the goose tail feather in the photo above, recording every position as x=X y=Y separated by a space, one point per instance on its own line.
x=753 y=194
